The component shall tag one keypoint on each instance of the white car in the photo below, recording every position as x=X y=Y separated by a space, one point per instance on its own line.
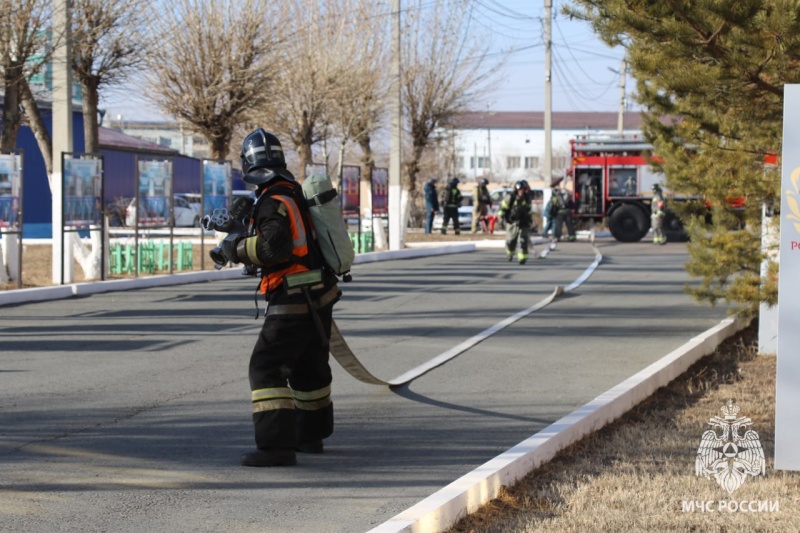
x=186 y=213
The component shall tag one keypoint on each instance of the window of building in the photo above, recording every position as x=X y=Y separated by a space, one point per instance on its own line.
x=560 y=162
x=512 y=162
x=459 y=161
x=482 y=162
x=531 y=162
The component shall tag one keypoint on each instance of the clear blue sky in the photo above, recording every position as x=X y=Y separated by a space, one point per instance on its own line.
x=585 y=72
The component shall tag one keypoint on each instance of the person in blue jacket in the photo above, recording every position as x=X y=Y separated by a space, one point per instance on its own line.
x=431 y=204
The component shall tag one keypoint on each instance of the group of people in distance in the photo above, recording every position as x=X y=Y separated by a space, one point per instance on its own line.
x=515 y=212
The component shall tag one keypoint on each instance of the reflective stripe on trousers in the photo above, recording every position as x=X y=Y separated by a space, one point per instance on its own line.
x=286 y=398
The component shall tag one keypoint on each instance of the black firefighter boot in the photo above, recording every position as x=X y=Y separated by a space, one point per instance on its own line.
x=311 y=447
x=270 y=457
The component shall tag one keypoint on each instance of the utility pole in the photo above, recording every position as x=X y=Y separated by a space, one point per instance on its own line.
x=396 y=222
x=548 y=96
x=62 y=131
x=622 y=97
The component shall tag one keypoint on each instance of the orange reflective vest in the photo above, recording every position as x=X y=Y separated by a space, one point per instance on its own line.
x=299 y=261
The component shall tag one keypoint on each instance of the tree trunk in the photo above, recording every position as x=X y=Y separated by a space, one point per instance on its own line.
x=340 y=166
x=368 y=162
x=367 y=159
x=220 y=146
x=38 y=127
x=90 y=126
x=412 y=169
x=11 y=115
x=304 y=151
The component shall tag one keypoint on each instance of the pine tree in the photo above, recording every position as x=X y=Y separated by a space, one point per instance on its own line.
x=710 y=78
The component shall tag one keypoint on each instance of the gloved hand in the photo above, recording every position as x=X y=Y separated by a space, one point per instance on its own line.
x=228 y=248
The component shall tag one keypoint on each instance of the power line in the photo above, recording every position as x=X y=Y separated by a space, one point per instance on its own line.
x=513 y=13
x=566 y=45
x=524 y=29
x=503 y=11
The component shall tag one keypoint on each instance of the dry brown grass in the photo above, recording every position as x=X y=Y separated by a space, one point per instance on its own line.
x=633 y=475
x=38 y=258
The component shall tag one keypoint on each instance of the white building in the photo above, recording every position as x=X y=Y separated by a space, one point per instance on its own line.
x=508 y=146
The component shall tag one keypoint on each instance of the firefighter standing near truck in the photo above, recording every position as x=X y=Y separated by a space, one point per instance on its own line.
x=515 y=210
x=290 y=378
x=562 y=208
x=657 y=214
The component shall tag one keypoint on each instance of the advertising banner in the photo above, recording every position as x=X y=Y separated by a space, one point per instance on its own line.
x=154 y=188
x=10 y=191
x=380 y=191
x=83 y=189
x=351 y=190
x=787 y=419
x=217 y=185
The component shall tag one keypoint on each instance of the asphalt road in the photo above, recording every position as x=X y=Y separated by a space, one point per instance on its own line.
x=128 y=411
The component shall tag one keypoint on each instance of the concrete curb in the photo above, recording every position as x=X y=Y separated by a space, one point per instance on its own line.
x=465 y=495
x=38 y=294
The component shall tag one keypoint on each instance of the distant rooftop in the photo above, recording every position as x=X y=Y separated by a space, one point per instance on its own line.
x=117 y=140
x=535 y=120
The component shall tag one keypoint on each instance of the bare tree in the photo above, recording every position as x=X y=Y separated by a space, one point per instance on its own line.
x=214 y=63
x=23 y=51
x=443 y=71
x=107 y=44
x=356 y=105
x=310 y=74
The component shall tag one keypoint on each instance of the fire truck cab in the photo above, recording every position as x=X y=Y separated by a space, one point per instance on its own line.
x=613 y=181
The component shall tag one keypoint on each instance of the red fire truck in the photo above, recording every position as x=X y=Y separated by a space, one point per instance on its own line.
x=614 y=182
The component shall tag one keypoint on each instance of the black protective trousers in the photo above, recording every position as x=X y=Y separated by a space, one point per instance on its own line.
x=290 y=381
x=450 y=212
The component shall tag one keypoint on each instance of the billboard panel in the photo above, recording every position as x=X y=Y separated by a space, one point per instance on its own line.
x=380 y=191
x=351 y=190
x=10 y=190
x=216 y=185
x=787 y=398
x=83 y=189
x=154 y=188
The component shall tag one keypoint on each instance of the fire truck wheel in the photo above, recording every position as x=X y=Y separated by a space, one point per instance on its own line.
x=628 y=223
x=673 y=228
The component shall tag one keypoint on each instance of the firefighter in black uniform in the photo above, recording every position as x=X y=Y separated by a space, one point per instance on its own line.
x=515 y=210
x=451 y=199
x=290 y=377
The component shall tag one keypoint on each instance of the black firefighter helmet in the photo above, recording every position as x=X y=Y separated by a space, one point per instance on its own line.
x=263 y=159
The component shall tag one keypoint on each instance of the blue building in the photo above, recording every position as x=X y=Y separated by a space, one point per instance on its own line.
x=120 y=153
x=37 y=200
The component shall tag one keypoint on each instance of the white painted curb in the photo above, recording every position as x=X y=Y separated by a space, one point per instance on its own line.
x=465 y=495
x=38 y=294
